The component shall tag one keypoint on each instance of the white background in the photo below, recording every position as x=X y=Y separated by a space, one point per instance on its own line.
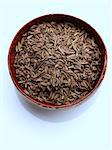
x=24 y=127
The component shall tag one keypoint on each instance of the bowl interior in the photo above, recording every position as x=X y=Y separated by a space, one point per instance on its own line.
x=57 y=18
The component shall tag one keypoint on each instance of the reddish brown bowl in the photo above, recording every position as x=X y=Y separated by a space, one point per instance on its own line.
x=57 y=18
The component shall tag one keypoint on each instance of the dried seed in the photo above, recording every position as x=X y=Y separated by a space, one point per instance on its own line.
x=71 y=56
x=73 y=94
x=29 y=37
x=21 y=82
x=57 y=62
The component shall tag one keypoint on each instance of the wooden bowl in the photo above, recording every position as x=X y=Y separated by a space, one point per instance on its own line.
x=58 y=18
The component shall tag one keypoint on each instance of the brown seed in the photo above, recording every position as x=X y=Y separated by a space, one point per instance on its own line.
x=57 y=62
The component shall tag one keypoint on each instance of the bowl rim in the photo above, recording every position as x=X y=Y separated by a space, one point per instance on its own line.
x=44 y=104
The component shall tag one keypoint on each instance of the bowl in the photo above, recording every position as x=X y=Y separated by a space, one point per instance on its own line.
x=57 y=18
